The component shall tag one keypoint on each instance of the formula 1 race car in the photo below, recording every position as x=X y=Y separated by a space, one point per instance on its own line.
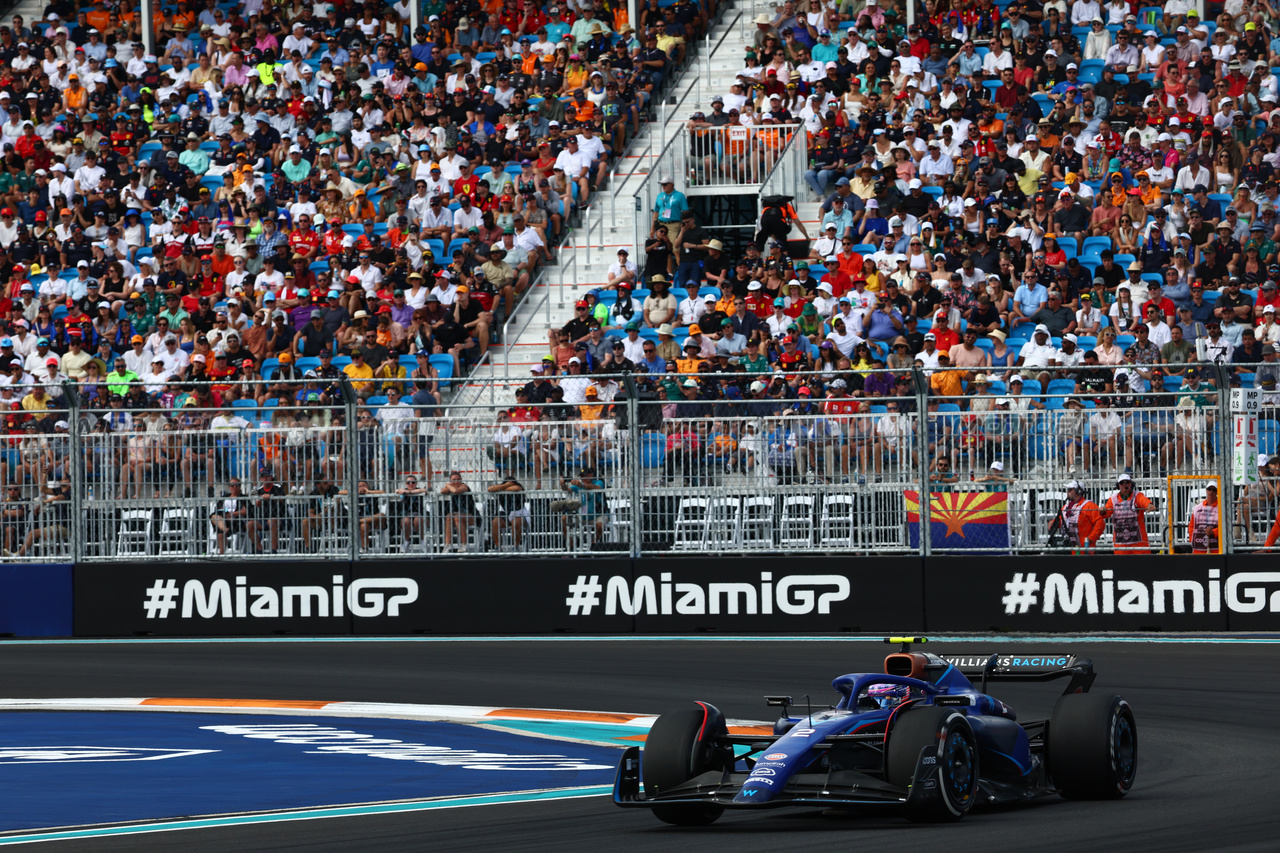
x=919 y=735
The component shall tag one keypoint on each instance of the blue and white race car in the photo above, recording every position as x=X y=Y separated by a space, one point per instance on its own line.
x=919 y=735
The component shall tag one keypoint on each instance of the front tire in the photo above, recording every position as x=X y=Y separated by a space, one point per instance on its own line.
x=1093 y=747
x=680 y=746
x=949 y=737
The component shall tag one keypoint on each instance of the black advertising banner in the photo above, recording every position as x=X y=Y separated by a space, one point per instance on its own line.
x=675 y=595
x=771 y=595
x=1075 y=593
x=512 y=595
x=1251 y=592
x=215 y=599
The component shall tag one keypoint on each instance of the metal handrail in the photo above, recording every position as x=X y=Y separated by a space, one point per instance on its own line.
x=464 y=439
x=712 y=49
x=508 y=339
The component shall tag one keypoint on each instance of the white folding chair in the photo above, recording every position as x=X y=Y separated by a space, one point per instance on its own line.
x=691 y=524
x=797 y=521
x=838 y=521
x=757 y=521
x=177 y=528
x=619 y=529
x=133 y=536
x=724 y=521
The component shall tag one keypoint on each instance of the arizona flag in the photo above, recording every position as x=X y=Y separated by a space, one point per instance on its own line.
x=962 y=521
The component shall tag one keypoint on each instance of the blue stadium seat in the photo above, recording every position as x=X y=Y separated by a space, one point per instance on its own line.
x=653 y=449
x=247 y=409
x=443 y=363
x=1094 y=245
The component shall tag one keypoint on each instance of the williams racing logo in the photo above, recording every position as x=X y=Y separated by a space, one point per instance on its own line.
x=1103 y=592
x=790 y=595
x=90 y=754
x=221 y=599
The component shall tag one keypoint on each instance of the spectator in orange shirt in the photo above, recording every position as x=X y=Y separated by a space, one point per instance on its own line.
x=222 y=262
x=943 y=382
x=848 y=261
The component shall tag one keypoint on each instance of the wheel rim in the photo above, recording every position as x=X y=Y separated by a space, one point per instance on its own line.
x=957 y=768
x=1124 y=749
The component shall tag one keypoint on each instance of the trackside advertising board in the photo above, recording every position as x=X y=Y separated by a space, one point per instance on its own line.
x=501 y=596
x=220 y=599
x=618 y=595
x=857 y=594
x=1065 y=593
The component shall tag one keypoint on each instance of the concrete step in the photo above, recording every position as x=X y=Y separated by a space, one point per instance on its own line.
x=608 y=225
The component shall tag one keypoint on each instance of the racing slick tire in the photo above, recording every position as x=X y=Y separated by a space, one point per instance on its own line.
x=1092 y=748
x=948 y=732
x=680 y=746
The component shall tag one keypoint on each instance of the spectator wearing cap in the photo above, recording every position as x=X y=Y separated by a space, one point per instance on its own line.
x=1268 y=330
x=1039 y=352
x=1268 y=295
x=669 y=208
x=694 y=307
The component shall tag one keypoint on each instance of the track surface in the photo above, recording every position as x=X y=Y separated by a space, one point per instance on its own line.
x=1206 y=715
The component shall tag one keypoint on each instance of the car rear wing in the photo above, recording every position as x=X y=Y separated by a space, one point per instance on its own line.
x=1026 y=666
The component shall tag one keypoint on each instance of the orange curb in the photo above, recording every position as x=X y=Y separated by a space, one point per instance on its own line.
x=580 y=716
x=238 y=703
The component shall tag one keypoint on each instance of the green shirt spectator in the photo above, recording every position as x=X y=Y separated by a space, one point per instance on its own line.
x=173 y=315
x=754 y=363
x=193 y=158
x=118 y=382
x=25 y=182
x=295 y=168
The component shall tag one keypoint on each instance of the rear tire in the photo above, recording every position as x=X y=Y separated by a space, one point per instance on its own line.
x=680 y=746
x=946 y=731
x=1093 y=747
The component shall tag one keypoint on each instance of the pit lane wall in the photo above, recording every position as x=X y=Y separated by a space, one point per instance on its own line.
x=621 y=595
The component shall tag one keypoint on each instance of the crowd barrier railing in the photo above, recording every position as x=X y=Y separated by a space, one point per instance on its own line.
x=897 y=461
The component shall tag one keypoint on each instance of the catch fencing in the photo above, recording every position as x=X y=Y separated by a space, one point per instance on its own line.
x=903 y=461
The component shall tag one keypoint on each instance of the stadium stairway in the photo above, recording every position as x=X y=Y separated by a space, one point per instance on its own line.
x=30 y=10
x=582 y=262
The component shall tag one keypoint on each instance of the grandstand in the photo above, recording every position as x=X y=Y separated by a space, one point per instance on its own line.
x=779 y=297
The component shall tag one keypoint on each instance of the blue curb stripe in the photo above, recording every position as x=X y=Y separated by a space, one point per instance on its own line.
x=308 y=814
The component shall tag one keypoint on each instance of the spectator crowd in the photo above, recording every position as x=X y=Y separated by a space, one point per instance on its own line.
x=273 y=196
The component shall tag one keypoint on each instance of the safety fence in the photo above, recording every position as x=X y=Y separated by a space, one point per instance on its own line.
x=855 y=462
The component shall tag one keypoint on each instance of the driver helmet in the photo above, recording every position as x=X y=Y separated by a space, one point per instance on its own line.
x=888 y=695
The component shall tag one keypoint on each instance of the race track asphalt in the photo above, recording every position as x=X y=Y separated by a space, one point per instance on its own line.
x=1207 y=775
